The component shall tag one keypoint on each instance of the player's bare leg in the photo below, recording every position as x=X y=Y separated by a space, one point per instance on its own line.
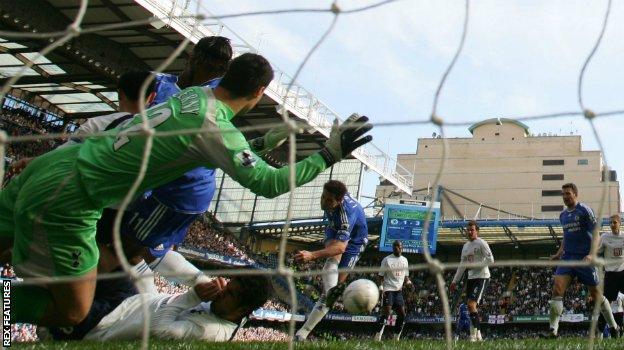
x=65 y=304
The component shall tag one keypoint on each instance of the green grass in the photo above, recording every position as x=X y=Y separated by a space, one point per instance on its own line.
x=528 y=344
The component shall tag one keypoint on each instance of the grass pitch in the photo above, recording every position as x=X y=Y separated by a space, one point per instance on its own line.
x=528 y=344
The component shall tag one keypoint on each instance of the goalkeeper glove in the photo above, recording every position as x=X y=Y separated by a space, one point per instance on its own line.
x=345 y=138
x=269 y=141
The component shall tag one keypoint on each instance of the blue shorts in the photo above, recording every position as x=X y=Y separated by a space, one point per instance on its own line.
x=586 y=275
x=155 y=225
x=350 y=257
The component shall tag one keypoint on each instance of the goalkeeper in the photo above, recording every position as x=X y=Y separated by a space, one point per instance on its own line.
x=51 y=209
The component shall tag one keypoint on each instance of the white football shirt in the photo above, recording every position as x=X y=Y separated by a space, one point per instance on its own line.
x=94 y=125
x=474 y=252
x=393 y=280
x=612 y=246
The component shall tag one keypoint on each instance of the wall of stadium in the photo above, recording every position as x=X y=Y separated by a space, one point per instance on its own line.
x=505 y=167
x=234 y=204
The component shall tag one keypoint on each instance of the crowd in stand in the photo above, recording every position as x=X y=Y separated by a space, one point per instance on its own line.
x=19 y=122
x=23 y=333
x=6 y=272
x=203 y=235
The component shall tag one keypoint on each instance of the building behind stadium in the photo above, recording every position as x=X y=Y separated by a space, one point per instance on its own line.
x=504 y=166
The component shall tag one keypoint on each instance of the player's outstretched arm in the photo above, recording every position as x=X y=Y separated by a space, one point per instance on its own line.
x=166 y=326
x=333 y=248
x=245 y=167
x=346 y=137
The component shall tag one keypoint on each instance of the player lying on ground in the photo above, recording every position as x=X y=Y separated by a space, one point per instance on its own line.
x=392 y=287
x=474 y=251
x=345 y=239
x=578 y=223
x=52 y=207
x=214 y=317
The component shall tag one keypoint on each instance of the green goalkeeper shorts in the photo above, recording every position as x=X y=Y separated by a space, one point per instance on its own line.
x=51 y=219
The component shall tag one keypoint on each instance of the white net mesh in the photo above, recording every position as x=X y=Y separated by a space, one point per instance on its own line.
x=184 y=18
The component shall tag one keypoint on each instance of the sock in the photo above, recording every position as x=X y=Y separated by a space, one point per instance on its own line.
x=473 y=331
x=317 y=314
x=330 y=280
x=173 y=263
x=605 y=309
x=382 y=322
x=145 y=284
x=474 y=320
x=398 y=325
x=29 y=303
x=556 y=309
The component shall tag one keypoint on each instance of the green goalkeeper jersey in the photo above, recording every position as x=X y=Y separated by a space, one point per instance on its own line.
x=109 y=165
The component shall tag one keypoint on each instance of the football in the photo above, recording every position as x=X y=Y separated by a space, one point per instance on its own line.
x=360 y=296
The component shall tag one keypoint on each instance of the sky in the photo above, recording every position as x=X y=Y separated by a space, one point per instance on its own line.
x=520 y=58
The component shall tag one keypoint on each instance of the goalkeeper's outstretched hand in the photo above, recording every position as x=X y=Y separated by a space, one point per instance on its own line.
x=270 y=141
x=345 y=138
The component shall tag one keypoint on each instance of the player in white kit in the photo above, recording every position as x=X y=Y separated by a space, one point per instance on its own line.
x=476 y=250
x=186 y=316
x=612 y=247
x=392 y=286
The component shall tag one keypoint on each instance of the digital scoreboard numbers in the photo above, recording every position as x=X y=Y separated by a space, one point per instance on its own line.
x=406 y=223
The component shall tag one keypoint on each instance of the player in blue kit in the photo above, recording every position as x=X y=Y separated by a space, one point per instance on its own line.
x=345 y=238
x=205 y=67
x=578 y=222
x=462 y=325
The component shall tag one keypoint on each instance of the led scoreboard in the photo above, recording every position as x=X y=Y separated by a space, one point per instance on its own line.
x=406 y=223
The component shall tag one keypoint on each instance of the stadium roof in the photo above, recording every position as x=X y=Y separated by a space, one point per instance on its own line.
x=77 y=79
